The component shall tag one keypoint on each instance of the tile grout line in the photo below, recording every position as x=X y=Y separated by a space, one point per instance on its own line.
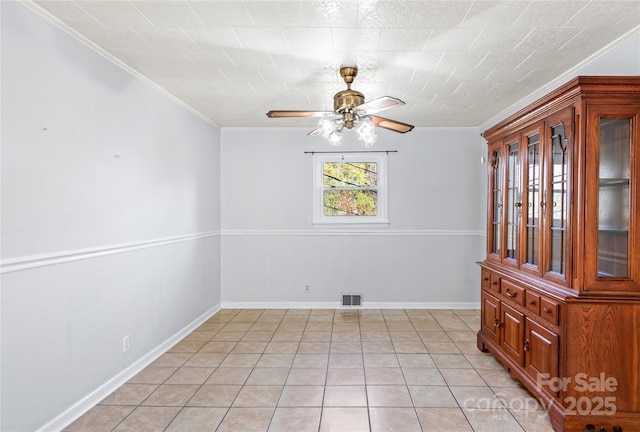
x=326 y=375
x=395 y=327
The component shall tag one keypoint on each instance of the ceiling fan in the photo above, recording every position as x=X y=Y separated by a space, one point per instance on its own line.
x=349 y=111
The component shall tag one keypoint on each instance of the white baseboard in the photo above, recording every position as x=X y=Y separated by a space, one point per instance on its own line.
x=337 y=305
x=89 y=401
x=280 y=305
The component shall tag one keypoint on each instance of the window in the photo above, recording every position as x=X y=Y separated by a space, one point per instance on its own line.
x=350 y=188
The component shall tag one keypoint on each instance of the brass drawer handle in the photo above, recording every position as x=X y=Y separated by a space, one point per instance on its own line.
x=547 y=310
x=511 y=293
x=532 y=302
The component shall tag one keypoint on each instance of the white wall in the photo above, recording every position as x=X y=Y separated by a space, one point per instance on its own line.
x=437 y=195
x=110 y=219
x=425 y=257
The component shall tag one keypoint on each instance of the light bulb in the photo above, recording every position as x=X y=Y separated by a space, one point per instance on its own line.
x=335 y=138
x=370 y=140
x=367 y=132
x=326 y=127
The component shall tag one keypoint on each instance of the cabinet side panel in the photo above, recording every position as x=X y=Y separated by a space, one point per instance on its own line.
x=602 y=353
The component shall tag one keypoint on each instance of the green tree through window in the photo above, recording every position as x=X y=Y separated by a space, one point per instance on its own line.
x=350 y=189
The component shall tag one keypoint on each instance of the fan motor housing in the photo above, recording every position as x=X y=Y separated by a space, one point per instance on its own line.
x=347 y=99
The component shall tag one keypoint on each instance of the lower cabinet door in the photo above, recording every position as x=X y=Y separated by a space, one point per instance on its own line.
x=512 y=341
x=541 y=357
x=491 y=317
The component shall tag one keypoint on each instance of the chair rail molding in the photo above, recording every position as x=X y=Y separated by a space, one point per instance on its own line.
x=337 y=231
x=35 y=261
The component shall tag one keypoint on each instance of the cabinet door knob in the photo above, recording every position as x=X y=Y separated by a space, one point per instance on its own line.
x=526 y=345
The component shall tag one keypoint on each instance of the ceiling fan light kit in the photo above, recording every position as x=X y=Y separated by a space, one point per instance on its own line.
x=367 y=132
x=349 y=111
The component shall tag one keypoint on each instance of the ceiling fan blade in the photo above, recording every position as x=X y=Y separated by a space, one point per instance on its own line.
x=379 y=104
x=278 y=114
x=393 y=125
x=314 y=132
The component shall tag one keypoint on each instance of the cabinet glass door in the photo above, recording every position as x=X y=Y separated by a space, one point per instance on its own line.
x=557 y=149
x=612 y=202
x=532 y=221
x=514 y=202
x=613 y=197
x=496 y=204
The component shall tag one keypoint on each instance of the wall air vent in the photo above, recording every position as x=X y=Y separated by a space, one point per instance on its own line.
x=351 y=299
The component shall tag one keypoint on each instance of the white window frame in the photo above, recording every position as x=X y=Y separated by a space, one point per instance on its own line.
x=320 y=219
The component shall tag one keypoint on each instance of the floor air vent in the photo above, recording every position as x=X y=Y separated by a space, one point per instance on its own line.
x=351 y=299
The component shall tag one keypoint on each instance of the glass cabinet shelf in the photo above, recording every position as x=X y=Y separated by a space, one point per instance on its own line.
x=614 y=182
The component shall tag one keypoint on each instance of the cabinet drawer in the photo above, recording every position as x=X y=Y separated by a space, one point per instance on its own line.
x=513 y=292
x=532 y=302
x=495 y=284
x=486 y=279
x=549 y=310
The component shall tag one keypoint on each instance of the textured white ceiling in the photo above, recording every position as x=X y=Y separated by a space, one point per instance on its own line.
x=454 y=63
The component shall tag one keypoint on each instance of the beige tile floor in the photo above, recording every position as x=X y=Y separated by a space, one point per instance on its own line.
x=323 y=370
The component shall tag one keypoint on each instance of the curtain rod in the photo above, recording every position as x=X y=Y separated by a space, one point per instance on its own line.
x=352 y=151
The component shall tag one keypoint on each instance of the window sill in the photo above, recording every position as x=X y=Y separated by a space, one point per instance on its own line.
x=359 y=224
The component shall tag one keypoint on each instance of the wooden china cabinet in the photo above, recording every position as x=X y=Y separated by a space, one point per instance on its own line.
x=561 y=279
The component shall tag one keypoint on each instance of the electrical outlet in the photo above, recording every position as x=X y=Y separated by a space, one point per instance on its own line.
x=125 y=343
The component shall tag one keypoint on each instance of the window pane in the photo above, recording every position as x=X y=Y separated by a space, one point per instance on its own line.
x=340 y=202
x=346 y=185
x=350 y=174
